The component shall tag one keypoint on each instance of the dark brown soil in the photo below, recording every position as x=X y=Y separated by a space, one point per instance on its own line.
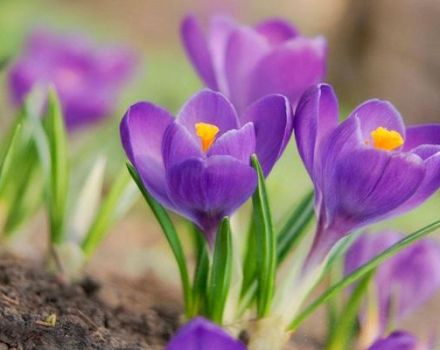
x=29 y=295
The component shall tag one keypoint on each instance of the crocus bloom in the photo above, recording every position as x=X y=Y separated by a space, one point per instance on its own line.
x=199 y=164
x=398 y=341
x=87 y=79
x=365 y=169
x=247 y=63
x=402 y=283
x=201 y=334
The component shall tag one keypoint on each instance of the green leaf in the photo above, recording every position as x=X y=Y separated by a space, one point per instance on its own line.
x=345 y=324
x=220 y=277
x=171 y=236
x=201 y=274
x=250 y=261
x=361 y=272
x=266 y=244
x=106 y=214
x=295 y=227
x=11 y=152
x=59 y=173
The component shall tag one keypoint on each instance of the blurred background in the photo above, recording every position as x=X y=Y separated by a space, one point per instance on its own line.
x=378 y=48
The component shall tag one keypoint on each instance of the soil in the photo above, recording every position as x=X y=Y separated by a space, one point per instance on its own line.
x=40 y=311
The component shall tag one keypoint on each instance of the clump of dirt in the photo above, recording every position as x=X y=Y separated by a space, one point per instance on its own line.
x=40 y=311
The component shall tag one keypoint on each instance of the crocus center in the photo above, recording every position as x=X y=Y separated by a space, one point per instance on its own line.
x=386 y=139
x=207 y=133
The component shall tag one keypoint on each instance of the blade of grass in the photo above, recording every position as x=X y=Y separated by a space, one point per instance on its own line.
x=106 y=214
x=59 y=173
x=295 y=227
x=266 y=244
x=220 y=276
x=342 y=333
x=201 y=274
x=361 y=272
x=9 y=156
x=171 y=236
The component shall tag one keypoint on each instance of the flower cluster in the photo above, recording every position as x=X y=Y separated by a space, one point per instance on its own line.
x=264 y=84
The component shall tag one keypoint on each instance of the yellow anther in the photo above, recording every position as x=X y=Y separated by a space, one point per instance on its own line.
x=386 y=139
x=207 y=133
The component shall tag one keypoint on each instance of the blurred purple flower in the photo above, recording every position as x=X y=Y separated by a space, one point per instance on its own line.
x=86 y=78
x=201 y=334
x=199 y=164
x=365 y=169
x=402 y=283
x=398 y=341
x=247 y=63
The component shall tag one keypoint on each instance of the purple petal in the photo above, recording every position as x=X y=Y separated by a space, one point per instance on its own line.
x=208 y=107
x=239 y=144
x=396 y=341
x=116 y=64
x=315 y=117
x=367 y=185
x=197 y=50
x=422 y=135
x=245 y=49
x=179 y=145
x=405 y=281
x=289 y=70
x=431 y=181
x=272 y=119
x=367 y=246
x=142 y=130
x=210 y=189
x=201 y=334
x=276 y=31
x=377 y=113
x=220 y=31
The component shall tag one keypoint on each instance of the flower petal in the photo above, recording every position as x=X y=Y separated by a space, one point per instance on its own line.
x=239 y=144
x=142 y=129
x=272 y=119
x=197 y=50
x=276 y=30
x=211 y=107
x=289 y=70
x=201 y=334
x=396 y=341
x=220 y=30
x=315 y=117
x=207 y=190
x=429 y=185
x=417 y=135
x=179 y=145
x=377 y=113
x=245 y=49
x=366 y=185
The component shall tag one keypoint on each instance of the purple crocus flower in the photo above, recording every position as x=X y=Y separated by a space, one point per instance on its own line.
x=402 y=283
x=247 y=63
x=87 y=79
x=198 y=165
x=365 y=169
x=398 y=341
x=201 y=334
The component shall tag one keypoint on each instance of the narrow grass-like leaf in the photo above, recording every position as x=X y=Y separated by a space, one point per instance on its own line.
x=201 y=274
x=7 y=160
x=250 y=261
x=171 y=236
x=220 y=277
x=59 y=173
x=361 y=272
x=106 y=214
x=295 y=227
x=346 y=322
x=266 y=244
